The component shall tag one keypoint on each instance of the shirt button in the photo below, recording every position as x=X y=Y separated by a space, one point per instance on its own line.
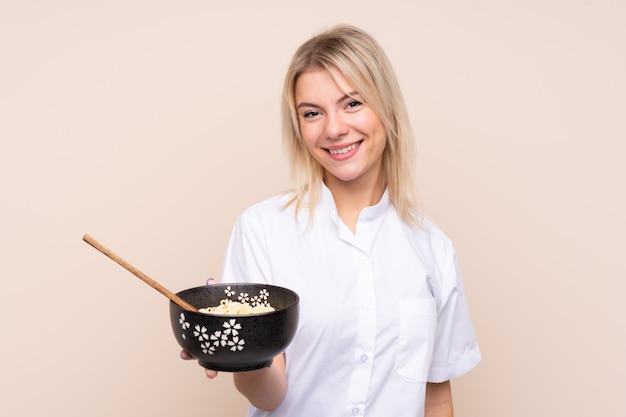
x=355 y=411
x=364 y=358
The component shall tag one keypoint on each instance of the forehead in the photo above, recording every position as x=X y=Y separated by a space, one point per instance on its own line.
x=322 y=83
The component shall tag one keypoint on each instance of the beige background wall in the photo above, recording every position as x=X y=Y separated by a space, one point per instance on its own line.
x=152 y=124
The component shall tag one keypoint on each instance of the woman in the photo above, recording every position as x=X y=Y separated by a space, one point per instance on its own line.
x=384 y=322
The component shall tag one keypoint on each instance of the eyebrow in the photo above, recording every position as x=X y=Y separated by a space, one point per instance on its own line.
x=345 y=96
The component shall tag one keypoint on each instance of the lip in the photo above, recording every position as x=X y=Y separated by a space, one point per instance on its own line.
x=349 y=150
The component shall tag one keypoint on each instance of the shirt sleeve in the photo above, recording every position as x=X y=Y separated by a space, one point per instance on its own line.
x=456 y=349
x=246 y=259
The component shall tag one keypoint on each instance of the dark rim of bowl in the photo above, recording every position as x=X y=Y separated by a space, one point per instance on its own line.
x=223 y=285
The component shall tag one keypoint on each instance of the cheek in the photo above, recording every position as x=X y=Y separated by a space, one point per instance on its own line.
x=311 y=148
x=370 y=121
x=377 y=130
x=309 y=136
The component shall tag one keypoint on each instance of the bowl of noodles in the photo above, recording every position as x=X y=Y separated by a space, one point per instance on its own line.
x=238 y=327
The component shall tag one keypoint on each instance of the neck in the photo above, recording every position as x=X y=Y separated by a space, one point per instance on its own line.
x=351 y=197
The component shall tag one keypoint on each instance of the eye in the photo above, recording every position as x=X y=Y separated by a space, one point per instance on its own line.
x=354 y=104
x=309 y=114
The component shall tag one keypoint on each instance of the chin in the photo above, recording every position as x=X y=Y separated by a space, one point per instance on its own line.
x=345 y=177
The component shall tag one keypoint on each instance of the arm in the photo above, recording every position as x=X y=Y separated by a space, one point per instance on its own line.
x=264 y=388
x=438 y=400
x=248 y=258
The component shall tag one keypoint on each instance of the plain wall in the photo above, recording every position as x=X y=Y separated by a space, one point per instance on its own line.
x=152 y=124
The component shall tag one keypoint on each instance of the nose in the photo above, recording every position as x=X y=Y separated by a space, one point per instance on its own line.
x=336 y=127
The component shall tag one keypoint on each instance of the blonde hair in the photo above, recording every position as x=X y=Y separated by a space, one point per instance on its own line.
x=362 y=61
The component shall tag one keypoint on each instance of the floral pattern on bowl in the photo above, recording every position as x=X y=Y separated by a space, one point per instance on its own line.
x=228 y=335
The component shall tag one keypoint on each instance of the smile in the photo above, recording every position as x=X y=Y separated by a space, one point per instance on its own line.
x=344 y=150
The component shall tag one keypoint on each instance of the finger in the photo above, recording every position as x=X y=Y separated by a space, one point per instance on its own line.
x=210 y=373
x=186 y=355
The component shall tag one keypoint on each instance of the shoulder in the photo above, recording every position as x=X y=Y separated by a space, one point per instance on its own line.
x=428 y=233
x=433 y=246
x=273 y=209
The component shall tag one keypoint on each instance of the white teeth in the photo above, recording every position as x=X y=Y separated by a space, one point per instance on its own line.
x=342 y=150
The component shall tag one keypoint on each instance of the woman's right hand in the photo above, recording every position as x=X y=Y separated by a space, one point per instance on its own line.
x=210 y=373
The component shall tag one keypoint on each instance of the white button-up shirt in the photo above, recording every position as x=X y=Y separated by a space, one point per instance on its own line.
x=382 y=310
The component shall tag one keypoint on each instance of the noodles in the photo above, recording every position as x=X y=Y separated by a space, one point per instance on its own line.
x=259 y=304
x=234 y=308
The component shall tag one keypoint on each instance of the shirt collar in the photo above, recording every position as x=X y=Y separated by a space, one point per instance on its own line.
x=370 y=213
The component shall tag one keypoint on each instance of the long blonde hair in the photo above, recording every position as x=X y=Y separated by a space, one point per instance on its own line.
x=365 y=65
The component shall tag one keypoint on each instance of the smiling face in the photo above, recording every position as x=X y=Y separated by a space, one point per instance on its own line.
x=340 y=131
